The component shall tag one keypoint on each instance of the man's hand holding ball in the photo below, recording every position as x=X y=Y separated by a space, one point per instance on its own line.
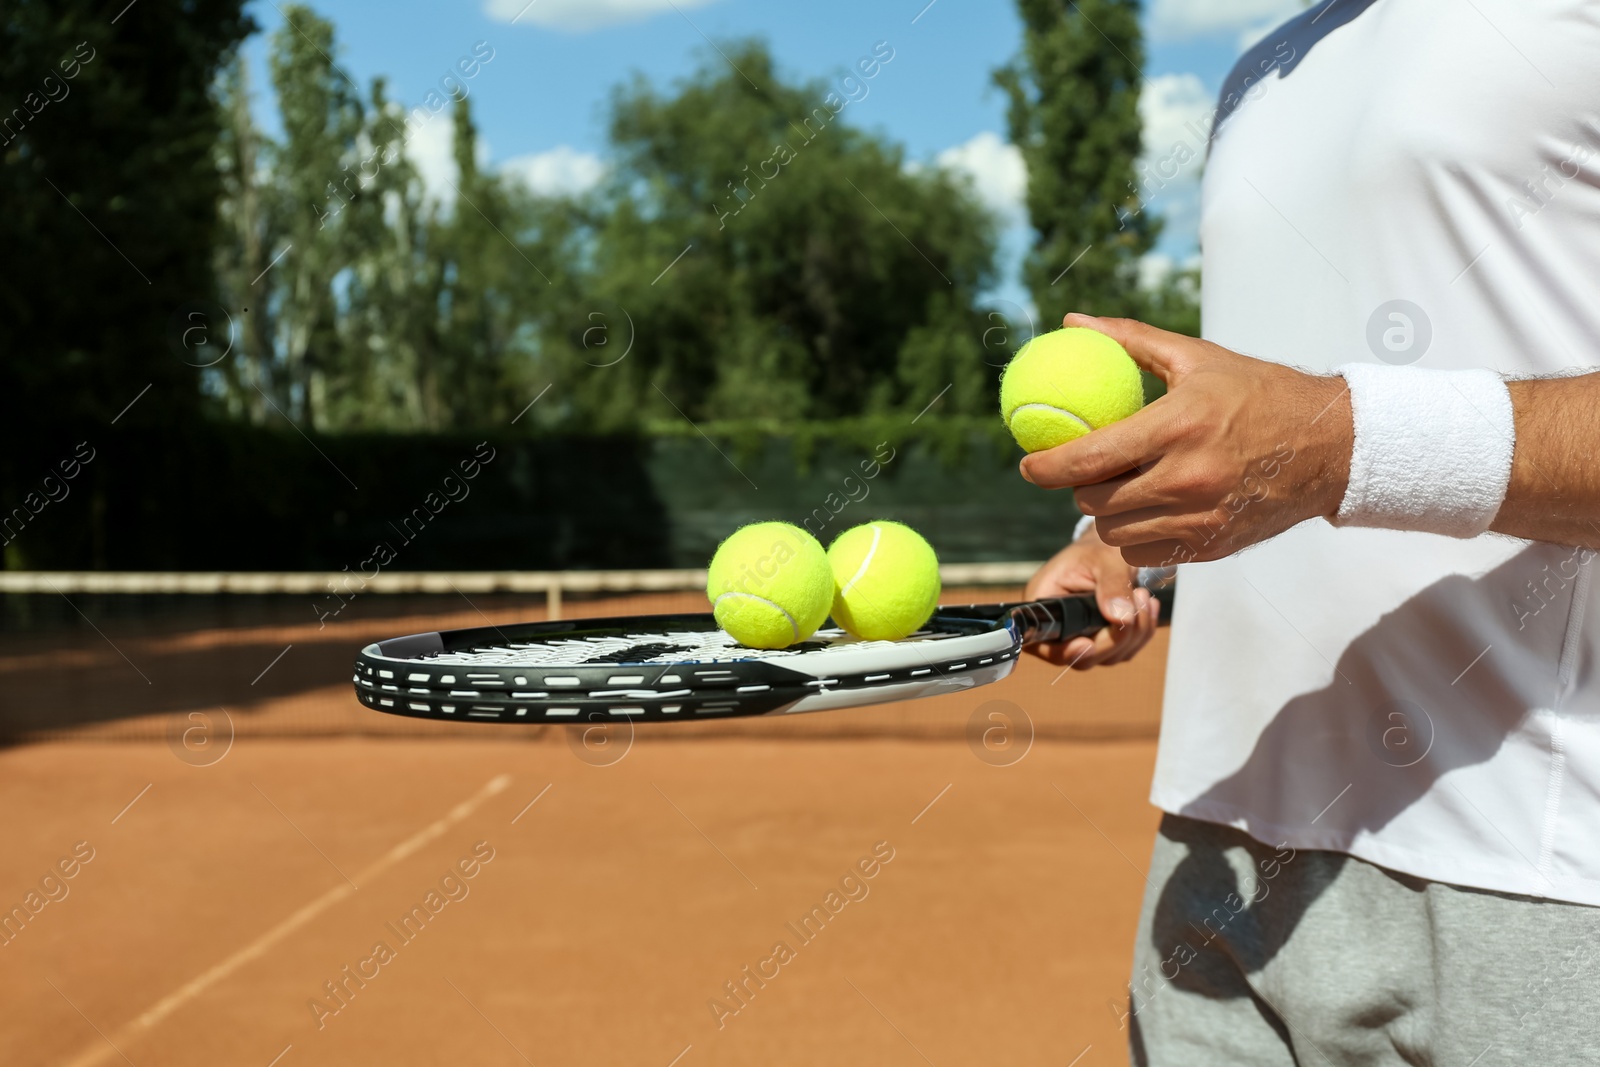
x=1237 y=451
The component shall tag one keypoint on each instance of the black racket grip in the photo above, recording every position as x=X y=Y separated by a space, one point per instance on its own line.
x=1063 y=618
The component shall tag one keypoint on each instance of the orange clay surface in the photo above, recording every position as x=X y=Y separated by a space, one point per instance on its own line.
x=494 y=896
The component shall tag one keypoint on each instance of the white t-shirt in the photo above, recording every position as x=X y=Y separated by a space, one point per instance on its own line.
x=1424 y=703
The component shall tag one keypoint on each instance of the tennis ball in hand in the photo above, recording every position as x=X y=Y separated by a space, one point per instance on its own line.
x=1066 y=383
x=886 y=580
x=769 y=585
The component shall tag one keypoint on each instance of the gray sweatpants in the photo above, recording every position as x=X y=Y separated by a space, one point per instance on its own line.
x=1250 y=956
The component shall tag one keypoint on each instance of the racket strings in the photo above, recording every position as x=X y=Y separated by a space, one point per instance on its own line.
x=711 y=646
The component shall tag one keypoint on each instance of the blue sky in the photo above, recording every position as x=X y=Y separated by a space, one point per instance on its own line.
x=540 y=102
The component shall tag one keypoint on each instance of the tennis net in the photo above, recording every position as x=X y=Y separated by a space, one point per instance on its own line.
x=183 y=657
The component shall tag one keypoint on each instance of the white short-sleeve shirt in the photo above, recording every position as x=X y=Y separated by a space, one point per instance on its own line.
x=1403 y=181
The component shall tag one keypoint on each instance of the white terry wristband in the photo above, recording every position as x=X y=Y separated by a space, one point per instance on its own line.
x=1432 y=449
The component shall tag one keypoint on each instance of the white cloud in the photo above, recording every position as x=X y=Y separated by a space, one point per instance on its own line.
x=431 y=149
x=581 y=15
x=1251 y=34
x=1172 y=20
x=562 y=171
x=998 y=174
x=1175 y=109
x=1156 y=266
x=1176 y=112
x=1000 y=179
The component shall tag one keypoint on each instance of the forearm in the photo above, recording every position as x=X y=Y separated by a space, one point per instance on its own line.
x=1451 y=452
x=1554 y=493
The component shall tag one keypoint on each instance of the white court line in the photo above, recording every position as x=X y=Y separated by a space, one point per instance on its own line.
x=151 y=1017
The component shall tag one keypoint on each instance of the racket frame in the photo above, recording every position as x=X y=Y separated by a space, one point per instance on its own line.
x=963 y=647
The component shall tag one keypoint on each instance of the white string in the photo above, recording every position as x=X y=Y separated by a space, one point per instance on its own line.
x=710 y=646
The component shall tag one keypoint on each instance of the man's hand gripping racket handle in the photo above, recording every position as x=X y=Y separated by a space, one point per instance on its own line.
x=1063 y=618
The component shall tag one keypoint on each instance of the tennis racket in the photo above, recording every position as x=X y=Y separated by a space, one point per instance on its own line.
x=682 y=668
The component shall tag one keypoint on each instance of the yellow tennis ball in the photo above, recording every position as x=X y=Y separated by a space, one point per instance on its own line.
x=769 y=585
x=886 y=580
x=1066 y=383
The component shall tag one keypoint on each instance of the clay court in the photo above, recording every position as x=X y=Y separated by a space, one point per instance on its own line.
x=592 y=897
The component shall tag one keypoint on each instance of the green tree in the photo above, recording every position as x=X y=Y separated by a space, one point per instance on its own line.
x=322 y=117
x=242 y=384
x=109 y=181
x=374 y=305
x=1174 y=303
x=842 y=281
x=776 y=261
x=496 y=272
x=386 y=375
x=1074 y=113
x=492 y=286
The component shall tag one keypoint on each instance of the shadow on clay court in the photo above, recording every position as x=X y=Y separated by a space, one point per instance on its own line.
x=133 y=662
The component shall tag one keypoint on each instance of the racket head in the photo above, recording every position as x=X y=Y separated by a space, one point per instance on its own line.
x=675 y=668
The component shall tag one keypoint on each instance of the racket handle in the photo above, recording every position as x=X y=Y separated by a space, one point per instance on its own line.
x=1063 y=618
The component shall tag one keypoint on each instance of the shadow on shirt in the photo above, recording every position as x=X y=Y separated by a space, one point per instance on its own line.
x=1404 y=708
x=1284 y=49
